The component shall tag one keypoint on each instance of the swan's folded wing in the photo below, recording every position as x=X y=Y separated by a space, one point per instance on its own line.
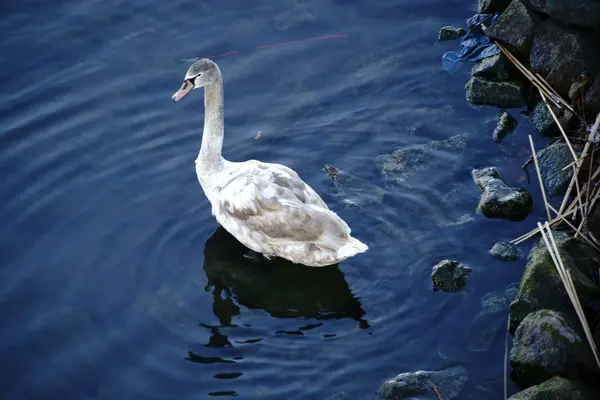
x=278 y=208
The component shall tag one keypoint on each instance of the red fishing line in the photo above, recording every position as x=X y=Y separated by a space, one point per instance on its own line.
x=268 y=46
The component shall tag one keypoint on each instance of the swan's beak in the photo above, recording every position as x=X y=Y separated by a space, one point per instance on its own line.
x=185 y=88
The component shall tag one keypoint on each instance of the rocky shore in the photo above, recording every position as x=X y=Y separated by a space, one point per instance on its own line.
x=557 y=41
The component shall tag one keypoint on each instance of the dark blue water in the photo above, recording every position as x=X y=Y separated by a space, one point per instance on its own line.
x=115 y=282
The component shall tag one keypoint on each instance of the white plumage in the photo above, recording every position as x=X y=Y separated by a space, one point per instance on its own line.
x=267 y=207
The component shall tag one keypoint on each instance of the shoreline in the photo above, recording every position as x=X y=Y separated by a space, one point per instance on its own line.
x=548 y=65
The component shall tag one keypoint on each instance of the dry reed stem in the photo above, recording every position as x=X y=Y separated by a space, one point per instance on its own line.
x=537 y=169
x=535 y=231
x=567 y=280
x=550 y=88
x=437 y=392
x=578 y=230
x=532 y=78
x=575 y=158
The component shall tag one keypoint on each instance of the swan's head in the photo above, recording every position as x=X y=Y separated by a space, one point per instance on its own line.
x=201 y=73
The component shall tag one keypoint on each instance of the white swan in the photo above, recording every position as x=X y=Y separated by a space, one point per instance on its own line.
x=267 y=207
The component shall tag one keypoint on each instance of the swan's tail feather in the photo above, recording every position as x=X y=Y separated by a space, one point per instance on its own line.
x=352 y=248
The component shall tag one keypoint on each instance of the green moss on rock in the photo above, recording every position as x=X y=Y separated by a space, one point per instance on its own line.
x=541 y=286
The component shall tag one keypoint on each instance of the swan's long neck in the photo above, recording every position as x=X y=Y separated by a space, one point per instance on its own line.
x=210 y=156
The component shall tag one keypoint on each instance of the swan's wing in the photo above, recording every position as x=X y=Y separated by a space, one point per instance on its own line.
x=274 y=203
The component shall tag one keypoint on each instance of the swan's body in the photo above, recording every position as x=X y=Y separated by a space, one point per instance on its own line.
x=267 y=207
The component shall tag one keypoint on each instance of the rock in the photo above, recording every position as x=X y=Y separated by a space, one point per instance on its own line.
x=506 y=124
x=560 y=54
x=495 y=68
x=542 y=120
x=582 y=13
x=506 y=94
x=505 y=251
x=552 y=160
x=499 y=200
x=492 y=6
x=415 y=162
x=422 y=384
x=557 y=388
x=547 y=344
x=449 y=276
x=491 y=319
x=541 y=286
x=515 y=28
x=451 y=33
x=591 y=98
x=356 y=192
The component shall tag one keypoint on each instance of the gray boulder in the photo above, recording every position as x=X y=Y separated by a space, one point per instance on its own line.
x=515 y=28
x=492 y=6
x=542 y=120
x=560 y=53
x=552 y=160
x=506 y=124
x=557 y=388
x=505 y=251
x=581 y=13
x=449 y=276
x=541 y=286
x=506 y=94
x=547 y=343
x=498 y=200
x=355 y=191
x=451 y=33
x=422 y=385
x=494 y=68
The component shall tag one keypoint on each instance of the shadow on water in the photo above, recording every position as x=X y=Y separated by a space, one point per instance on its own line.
x=279 y=287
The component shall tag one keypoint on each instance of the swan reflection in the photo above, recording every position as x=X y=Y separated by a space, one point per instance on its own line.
x=279 y=287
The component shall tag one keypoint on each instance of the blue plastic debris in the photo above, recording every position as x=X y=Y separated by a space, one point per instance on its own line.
x=474 y=46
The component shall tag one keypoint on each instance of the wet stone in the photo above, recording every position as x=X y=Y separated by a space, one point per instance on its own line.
x=499 y=200
x=547 y=343
x=506 y=124
x=505 y=251
x=449 y=276
x=451 y=33
x=422 y=385
x=505 y=94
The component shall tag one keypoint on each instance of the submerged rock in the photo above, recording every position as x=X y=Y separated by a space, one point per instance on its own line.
x=491 y=319
x=405 y=163
x=505 y=251
x=492 y=6
x=495 y=68
x=560 y=53
x=541 y=286
x=506 y=124
x=499 y=200
x=451 y=33
x=449 y=276
x=355 y=191
x=557 y=388
x=552 y=160
x=581 y=13
x=515 y=28
x=547 y=344
x=505 y=94
x=423 y=384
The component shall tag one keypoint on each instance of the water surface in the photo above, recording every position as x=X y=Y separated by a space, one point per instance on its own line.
x=115 y=279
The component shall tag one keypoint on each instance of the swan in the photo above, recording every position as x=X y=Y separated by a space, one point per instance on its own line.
x=266 y=207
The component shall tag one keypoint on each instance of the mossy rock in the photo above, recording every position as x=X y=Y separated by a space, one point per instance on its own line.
x=548 y=343
x=541 y=286
x=557 y=388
